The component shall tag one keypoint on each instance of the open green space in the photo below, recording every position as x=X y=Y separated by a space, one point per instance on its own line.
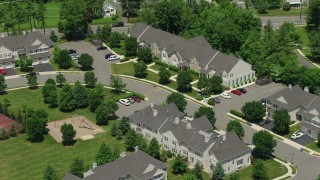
x=172 y=176
x=274 y=169
x=280 y=12
x=120 y=50
x=292 y=129
x=125 y=68
x=74 y=67
x=313 y=146
x=305 y=42
x=34 y=98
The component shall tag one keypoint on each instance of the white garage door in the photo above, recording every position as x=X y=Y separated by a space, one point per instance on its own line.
x=45 y=61
x=9 y=65
x=35 y=62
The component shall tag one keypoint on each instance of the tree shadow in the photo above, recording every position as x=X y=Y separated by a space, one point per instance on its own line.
x=90 y=68
x=33 y=87
x=113 y=117
x=69 y=143
x=4 y=92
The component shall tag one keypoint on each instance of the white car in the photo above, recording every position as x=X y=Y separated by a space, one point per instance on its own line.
x=297 y=135
x=75 y=56
x=225 y=95
x=113 y=58
x=125 y=102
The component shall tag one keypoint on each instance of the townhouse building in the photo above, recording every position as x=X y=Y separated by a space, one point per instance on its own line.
x=136 y=166
x=301 y=105
x=196 y=54
x=194 y=140
x=34 y=45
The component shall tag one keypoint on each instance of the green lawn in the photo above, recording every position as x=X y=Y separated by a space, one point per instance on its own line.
x=303 y=36
x=280 y=12
x=156 y=67
x=34 y=98
x=292 y=129
x=119 y=50
x=313 y=146
x=125 y=69
x=172 y=176
x=274 y=169
x=152 y=77
x=74 y=67
x=104 y=21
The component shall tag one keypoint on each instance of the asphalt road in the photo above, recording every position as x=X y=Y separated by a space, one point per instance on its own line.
x=308 y=166
x=304 y=62
x=278 y=20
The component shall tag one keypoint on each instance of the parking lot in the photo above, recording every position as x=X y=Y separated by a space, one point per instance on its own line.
x=10 y=72
x=43 y=67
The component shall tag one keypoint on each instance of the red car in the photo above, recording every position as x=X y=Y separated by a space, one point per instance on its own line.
x=136 y=99
x=236 y=92
x=3 y=71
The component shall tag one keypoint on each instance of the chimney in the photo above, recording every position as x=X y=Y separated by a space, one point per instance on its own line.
x=136 y=149
x=224 y=138
x=306 y=89
x=207 y=138
x=123 y=154
x=189 y=126
x=176 y=120
x=290 y=86
x=152 y=105
x=94 y=165
x=155 y=112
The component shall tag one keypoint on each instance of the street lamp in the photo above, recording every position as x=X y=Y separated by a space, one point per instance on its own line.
x=292 y=158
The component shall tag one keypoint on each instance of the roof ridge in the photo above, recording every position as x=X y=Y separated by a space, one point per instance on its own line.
x=311 y=101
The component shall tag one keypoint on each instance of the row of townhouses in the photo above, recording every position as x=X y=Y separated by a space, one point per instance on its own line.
x=194 y=140
x=301 y=105
x=138 y=166
x=196 y=54
x=34 y=45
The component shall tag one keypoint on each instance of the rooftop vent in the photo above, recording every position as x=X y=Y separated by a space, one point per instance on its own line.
x=189 y=126
x=176 y=120
x=290 y=86
x=155 y=112
x=306 y=89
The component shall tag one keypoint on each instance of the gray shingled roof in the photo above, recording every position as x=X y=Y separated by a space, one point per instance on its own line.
x=232 y=146
x=139 y=165
x=202 y=123
x=25 y=40
x=145 y=116
x=309 y=126
x=197 y=47
x=39 y=55
x=292 y=98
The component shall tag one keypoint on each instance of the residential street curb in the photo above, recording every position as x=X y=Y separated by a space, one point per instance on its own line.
x=307 y=59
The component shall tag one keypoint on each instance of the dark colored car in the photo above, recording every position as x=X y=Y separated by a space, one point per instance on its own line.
x=32 y=74
x=101 y=48
x=236 y=92
x=263 y=102
x=242 y=90
x=108 y=55
x=136 y=99
x=72 y=51
x=264 y=122
x=118 y=24
x=215 y=100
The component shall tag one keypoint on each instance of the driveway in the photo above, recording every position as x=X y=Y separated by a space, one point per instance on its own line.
x=268 y=126
x=43 y=67
x=304 y=140
x=10 y=72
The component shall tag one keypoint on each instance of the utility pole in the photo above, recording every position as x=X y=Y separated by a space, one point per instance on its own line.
x=292 y=158
x=128 y=10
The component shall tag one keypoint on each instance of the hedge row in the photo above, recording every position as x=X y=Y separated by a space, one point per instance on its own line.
x=236 y=113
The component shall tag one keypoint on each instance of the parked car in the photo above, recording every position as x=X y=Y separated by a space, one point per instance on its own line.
x=113 y=58
x=118 y=24
x=297 y=135
x=242 y=90
x=75 y=56
x=136 y=99
x=263 y=101
x=236 y=92
x=215 y=100
x=3 y=71
x=108 y=55
x=72 y=51
x=225 y=95
x=264 y=122
x=101 y=48
x=32 y=74
x=131 y=100
x=124 y=102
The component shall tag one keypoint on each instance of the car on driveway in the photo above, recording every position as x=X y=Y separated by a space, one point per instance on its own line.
x=131 y=100
x=118 y=24
x=75 y=56
x=101 y=48
x=215 y=100
x=264 y=122
x=242 y=90
x=72 y=51
x=3 y=71
x=136 y=99
x=225 y=95
x=236 y=92
x=125 y=102
x=113 y=58
x=108 y=55
x=263 y=101
x=297 y=135
x=32 y=74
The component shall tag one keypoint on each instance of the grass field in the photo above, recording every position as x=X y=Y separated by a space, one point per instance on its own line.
x=313 y=146
x=34 y=98
x=303 y=36
x=292 y=130
x=274 y=169
x=125 y=69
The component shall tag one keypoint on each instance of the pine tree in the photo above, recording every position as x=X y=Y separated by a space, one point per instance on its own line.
x=50 y=174
x=218 y=173
x=143 y=144
x=114 y=129
x=131 y=140
x=197 y=172
x=124 y=125
x=154 y=149
x=80 y=95
x=119 y=135
x=104 y=155
x=179 y=166
x=77 y=167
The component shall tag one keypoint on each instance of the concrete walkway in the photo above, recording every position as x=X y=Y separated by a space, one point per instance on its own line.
x=307 y=59
x=287 y=165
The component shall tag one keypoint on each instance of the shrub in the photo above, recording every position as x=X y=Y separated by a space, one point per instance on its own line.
x=125 y=59
x=286 y=7
x=199 y=98
x=17 y=63
x=211 y=102
x=226 y=88
x=173 y=68
x=169 y=154
x=161 y=63
x=114 y=18
x=236 y=113
x=138 y=95
x=194 y=72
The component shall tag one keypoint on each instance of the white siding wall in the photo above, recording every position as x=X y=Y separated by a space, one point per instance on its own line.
x=232 y=166
x=241 y=72
x=293 y=114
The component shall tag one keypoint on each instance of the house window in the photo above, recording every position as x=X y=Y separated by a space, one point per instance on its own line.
x=199 y=162
x=147 y=135
x=0 y=55
x=197 y=153
x=174 y=150
x=240 y=163
x=185 y=152
x=138 y=124
x=191 y=159
x=248 y=159
x=166 y=138
x=231 y=74
x=165 y=146
x=173 y=142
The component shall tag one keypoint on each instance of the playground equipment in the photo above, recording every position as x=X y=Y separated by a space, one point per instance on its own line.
x=84 y=124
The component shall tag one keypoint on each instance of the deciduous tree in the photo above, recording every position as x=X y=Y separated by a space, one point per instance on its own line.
x=164 y=75
x=235 y=126
x=145 y=55
x=281 y=121
x=53 y=100
x=60 y=79
x=218 y=173
x=264 y=143
x=85 y=61
x=154 y=148
x=115 y=39
x=124 y=125
x=131 y=140
x=253 y=111
x=131 y=46
x=102 y=115
x=67 y=100
x=63 y=59
x=197 y=172
x=68 y=133
x=32 y=81
x=184 y=80
x=179 y=166
x=3 y=84
x=80 y=95
x=94 y=100
x=313 y=14
x=114 y=129
x=117 y=84
x=90 y=79
x=178 y=99
x=35 y=127
x=259 y=170
x=104 y=155
x=208 y=112
x=140 y=69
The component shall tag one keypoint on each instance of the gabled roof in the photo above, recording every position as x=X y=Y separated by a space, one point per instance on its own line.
x=197 y=47
x=108 y=2
x=139 y=165
x=32 y=40
x=230 y=147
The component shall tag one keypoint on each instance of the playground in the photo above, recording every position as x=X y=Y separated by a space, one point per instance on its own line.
x=85 y=129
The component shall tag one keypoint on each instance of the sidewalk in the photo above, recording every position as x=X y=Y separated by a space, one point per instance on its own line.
x=307 y=59
x=287 y=165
